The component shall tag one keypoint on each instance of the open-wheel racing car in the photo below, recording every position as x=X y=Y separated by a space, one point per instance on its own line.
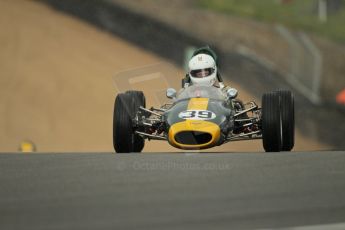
x=201 y=117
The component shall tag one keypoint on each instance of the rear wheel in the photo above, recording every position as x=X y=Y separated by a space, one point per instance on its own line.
x=125 y=109
x=271 y=122
x=287 y=113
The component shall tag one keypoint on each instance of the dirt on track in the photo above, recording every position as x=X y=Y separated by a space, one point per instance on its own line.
x=57 y=87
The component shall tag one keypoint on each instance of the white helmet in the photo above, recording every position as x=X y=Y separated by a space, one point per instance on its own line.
x=202 y=70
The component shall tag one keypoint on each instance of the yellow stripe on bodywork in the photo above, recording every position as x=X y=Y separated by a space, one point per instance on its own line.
x=195 y=125
x=198 y=104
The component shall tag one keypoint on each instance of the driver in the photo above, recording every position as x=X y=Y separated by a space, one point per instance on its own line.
x=203 y=71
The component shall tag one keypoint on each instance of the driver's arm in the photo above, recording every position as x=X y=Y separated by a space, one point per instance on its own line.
x=186 y=81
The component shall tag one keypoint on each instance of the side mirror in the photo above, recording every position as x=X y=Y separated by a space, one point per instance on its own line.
x=171 y=93
x=232 y=93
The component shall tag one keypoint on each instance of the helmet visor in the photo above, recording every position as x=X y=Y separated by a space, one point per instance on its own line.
x=200 y=73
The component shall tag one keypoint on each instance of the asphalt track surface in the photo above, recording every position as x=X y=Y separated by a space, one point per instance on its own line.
x=171 y=191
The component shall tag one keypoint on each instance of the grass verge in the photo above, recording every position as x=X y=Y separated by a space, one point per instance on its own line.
x=296 y=14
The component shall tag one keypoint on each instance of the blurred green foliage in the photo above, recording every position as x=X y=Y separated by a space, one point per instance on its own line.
x=296 y=14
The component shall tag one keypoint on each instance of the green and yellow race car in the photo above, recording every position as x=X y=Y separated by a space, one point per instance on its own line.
x=202 y=117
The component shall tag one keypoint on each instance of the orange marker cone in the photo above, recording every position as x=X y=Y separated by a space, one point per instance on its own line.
x=341 y=97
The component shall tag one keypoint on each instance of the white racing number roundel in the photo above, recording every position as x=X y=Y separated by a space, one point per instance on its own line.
x=197 y=115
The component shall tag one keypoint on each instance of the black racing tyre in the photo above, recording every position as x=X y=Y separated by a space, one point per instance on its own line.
x=137 y=100
x=125 y=109
x=287 y=113
x=122 y=124
x=271 y=122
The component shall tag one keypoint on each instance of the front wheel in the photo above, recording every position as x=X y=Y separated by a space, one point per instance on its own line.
x=126 y=106
x=287 y=112
x=137 y=99
x=271 y=122
x=278 y=121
